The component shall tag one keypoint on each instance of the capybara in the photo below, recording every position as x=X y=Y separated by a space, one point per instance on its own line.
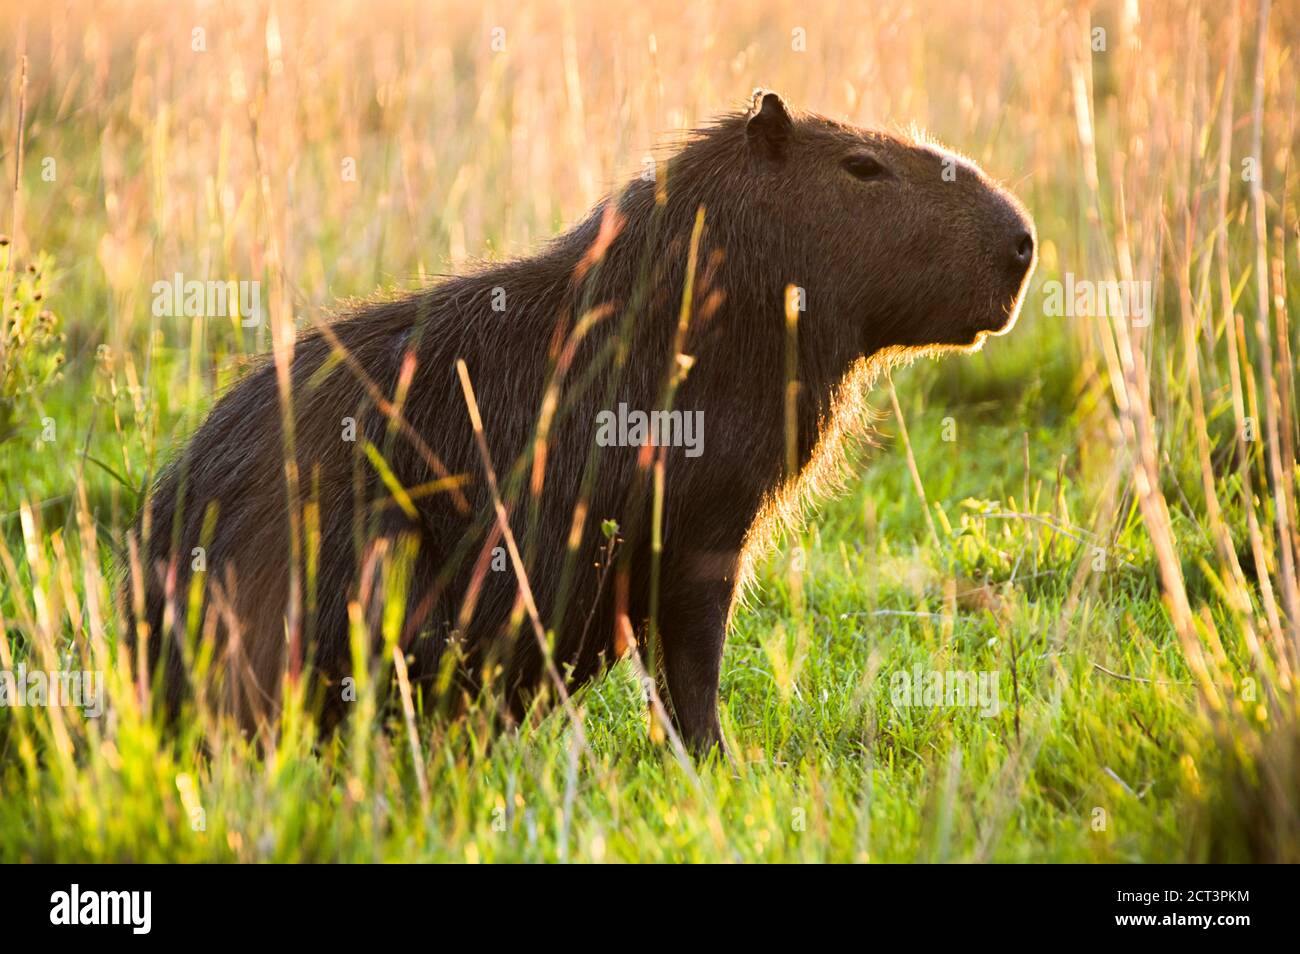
x=649 y=387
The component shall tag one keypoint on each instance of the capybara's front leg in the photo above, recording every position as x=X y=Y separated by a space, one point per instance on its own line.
x=693 y=617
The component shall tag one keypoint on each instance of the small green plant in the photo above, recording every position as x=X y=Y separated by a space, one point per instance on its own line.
x=31 y=346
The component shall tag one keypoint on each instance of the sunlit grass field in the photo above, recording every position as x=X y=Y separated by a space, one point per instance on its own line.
x=1100 y=510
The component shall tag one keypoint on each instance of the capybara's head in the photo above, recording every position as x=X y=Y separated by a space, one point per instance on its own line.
x=904 y=242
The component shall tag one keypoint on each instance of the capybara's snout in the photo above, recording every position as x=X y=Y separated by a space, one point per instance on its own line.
x=1012 y=237
x=1014 y=251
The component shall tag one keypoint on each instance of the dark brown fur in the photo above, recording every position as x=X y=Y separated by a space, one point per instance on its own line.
x=892 y=263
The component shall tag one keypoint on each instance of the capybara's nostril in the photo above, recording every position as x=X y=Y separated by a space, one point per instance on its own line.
x=1024 y=250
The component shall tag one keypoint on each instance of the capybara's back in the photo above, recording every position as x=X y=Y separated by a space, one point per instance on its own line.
x=634 y=374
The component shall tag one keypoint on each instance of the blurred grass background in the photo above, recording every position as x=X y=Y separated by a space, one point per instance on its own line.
x=1150 y=709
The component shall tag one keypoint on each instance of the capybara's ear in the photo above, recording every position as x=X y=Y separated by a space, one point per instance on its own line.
x=769 y=125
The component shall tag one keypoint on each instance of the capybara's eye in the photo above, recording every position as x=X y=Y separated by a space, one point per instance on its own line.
x=865 y=166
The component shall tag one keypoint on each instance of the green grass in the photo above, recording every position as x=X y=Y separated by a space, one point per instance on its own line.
x=826 y=767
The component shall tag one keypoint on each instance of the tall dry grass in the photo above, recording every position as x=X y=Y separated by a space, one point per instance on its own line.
x=1198 y=200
